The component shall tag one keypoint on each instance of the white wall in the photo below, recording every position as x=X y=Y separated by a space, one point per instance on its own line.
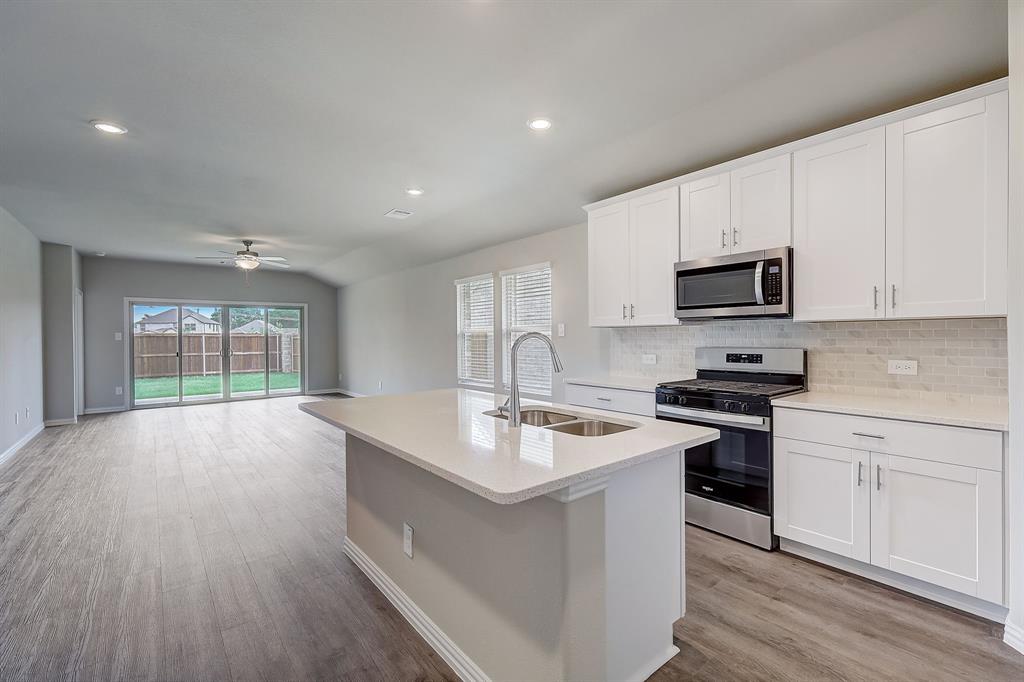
x=1015 y=327
x=21 y=333
x=59 y=266
x=399 y=329
x=107 y=281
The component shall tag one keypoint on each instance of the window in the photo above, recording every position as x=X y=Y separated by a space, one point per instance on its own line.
x=190 y=327
x=475 y=297
x=526 y=307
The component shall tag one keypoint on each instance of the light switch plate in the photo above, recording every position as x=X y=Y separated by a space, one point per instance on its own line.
x=649 y=359
x=908 y=367
x=117 y=390
x=407 y=539
x=118 y=336
x=561 y=328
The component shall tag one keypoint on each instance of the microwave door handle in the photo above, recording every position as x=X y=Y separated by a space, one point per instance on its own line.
x=759 y=282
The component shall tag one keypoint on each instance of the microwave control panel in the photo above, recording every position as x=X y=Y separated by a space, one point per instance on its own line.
x=773 y=282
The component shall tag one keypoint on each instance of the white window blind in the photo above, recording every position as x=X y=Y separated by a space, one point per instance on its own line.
x=526 y=307
x=476 y=330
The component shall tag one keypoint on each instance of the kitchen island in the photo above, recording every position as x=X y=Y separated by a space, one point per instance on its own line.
x=519 y=553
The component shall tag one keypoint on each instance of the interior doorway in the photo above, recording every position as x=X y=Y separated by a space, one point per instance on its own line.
x=185 y=352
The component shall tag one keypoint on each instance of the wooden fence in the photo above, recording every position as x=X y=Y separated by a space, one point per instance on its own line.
x=155 y=354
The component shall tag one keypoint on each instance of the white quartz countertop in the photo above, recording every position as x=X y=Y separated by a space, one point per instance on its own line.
x=992 y=417
x=447 y=433
x=629 y=383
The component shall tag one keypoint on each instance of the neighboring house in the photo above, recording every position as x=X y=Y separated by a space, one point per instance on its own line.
x=192 y=322
x=257 y=326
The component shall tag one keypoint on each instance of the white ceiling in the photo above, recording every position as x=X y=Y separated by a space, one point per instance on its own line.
x=300 y=124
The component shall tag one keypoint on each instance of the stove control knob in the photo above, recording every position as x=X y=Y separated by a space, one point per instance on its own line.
x=729 y=406
x=745 y=407
x=681 y=400
x=670 y=399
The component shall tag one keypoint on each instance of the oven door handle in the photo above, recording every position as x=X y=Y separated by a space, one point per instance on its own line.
x=759 y=423
x=759 y=282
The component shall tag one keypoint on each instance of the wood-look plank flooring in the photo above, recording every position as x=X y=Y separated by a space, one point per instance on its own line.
x=204 y=543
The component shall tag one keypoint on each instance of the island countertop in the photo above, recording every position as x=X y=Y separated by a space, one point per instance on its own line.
x=447 y=433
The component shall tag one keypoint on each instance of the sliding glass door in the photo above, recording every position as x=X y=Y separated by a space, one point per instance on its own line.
x=185 y=352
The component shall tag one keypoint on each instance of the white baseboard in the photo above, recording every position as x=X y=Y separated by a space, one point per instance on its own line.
x=61 y=422
x=343 y=391
x=104 y=410
x=956 y=600
x=9 y=452
x=455 y=657
x=1013 y=635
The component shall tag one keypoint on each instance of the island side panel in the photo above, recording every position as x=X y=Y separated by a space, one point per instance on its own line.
x=492 y=577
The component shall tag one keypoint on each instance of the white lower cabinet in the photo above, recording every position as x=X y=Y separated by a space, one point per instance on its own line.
x=923 y=507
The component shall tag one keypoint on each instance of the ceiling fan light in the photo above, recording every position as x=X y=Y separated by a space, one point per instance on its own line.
x=247 y=262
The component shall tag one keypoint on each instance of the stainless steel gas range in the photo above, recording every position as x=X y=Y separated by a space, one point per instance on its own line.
x=729 y=481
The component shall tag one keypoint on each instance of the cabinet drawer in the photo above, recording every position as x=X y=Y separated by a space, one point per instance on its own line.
x=616 y=399
x=949 y=444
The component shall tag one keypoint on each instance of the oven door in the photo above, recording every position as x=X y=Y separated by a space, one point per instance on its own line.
x=741 y=285
x=735 y=469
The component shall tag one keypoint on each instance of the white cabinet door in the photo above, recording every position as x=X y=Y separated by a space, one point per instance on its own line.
x=938 y=522
x=704 y=218
x=822 y=497
x=608 y=265
x=946 y=193
x=839 y=228
x=653 y=252
x=759 y=195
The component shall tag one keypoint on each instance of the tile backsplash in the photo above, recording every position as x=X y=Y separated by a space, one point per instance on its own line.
x=957 y=359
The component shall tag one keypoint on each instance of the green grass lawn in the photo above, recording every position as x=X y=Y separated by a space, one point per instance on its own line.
x=167 y=387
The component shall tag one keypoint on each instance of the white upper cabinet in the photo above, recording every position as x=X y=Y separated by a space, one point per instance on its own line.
x=946 y=197
x=608 y=265
x=760 y=206
x=653 y=252
x=704 y=227
x=839 y=228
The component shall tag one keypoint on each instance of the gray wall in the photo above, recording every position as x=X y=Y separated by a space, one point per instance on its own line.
x=21 y=332
x=399 y=329
x=58 y=331
x=108 y=281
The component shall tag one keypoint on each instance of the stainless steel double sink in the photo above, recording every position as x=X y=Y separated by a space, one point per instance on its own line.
x=576 y=425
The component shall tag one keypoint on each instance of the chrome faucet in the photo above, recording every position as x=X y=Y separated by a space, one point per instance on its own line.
x=511 y=406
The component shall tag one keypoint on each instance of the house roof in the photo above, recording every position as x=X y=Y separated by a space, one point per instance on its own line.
x=171 y=315
x=254 y=327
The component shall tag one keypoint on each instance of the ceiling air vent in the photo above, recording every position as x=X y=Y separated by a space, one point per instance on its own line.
x=398 y=214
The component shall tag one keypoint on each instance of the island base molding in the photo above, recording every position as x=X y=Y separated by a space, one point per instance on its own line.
x=543 y=589
x=919 y=588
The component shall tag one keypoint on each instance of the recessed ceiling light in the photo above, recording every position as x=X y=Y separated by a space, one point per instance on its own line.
x=414 y=191
x=101 y=254
x=108 y=127
x=539 y=124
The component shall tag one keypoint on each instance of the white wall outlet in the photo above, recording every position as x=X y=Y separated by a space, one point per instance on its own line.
x=908 y=367
x=561 y=328
x=118 y=336
x=118 y=390
x=649 y=359
x=407 y=539
x=339 y=378
x=380 y=386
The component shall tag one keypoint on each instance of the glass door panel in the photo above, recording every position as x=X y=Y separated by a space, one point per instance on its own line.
x=202 y=376
x=284 y=343
x=247 y=347
x=155 y=360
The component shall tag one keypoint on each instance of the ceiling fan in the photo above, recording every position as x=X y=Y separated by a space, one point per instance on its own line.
x=247 y=259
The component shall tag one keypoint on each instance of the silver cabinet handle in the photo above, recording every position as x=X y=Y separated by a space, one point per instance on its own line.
x=894 y=297
x=868 y=435
x=604 y=400
x=878 y=477
x=631 y=313
x=723 y=239
x=735 y=237
x=876 y=298
x=860 y=473
x=623 y=311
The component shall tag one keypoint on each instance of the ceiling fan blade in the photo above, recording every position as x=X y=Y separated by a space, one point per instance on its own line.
x=273 y=258
x=274 y=264
x=211 y=258
x=230 y=253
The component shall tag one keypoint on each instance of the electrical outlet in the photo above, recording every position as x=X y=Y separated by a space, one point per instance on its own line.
x=339 y=378
x=561 y=328
x=380 y=386
x=118 y=390
x=908 y=367
x=117 y=336
x=407 y=539
x=649 y=359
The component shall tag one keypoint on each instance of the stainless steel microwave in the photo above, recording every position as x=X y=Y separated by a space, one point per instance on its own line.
x=753 y=284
